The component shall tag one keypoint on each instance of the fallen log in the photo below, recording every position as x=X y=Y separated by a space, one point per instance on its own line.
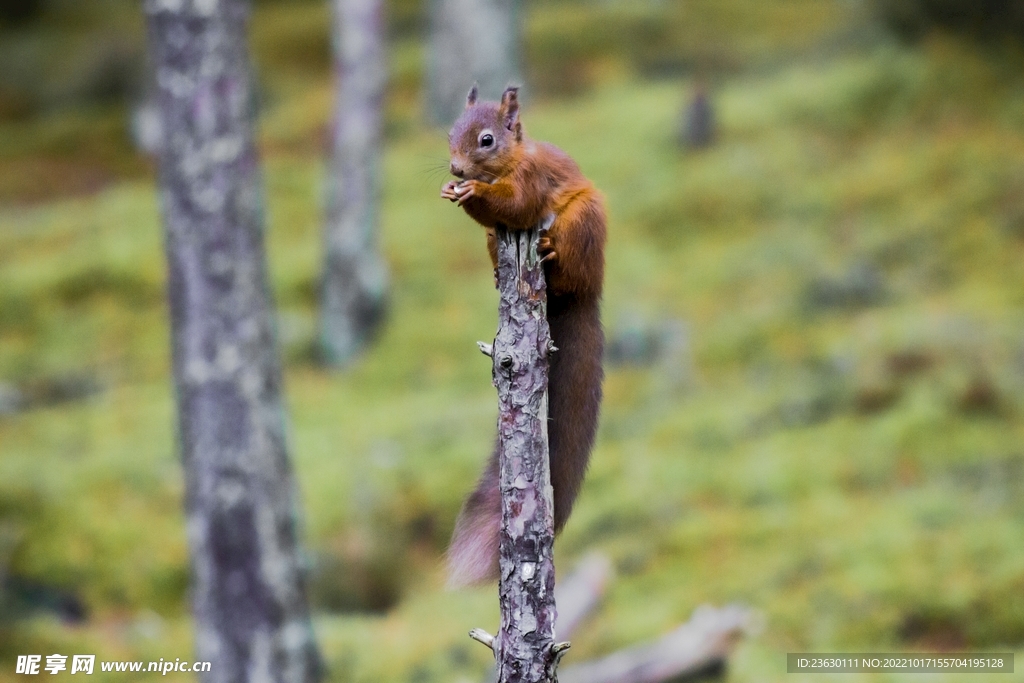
x=706 y=639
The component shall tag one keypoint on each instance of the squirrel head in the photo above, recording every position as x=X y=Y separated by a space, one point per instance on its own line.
x=484 y=139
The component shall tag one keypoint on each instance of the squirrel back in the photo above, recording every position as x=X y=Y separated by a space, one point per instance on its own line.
x=513 y=181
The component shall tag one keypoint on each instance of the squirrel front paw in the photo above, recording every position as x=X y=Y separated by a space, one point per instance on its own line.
x=448 y=191
x=468 y=189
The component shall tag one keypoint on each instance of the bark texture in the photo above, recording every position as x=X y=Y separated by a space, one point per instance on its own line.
x=251 y=616
x=354 y=285
x=470 y=41
x=524 y=646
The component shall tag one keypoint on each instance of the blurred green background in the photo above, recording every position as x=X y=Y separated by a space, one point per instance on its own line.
x=814 y=405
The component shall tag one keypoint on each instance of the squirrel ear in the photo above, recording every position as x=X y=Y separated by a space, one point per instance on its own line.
x=509 y=111
x=471 y=97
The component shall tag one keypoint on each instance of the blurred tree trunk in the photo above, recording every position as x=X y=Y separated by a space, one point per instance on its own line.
x=354 y=284
x=470 y=41
x=251 y=617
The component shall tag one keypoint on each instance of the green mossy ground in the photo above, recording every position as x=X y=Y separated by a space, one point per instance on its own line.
x=839 y=445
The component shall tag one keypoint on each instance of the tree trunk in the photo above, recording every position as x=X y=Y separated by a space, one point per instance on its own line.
x=354 y=287
x=470 y=41
x=524 y=648
x=251 y=618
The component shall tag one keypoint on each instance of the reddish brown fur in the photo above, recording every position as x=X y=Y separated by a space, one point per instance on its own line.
x=516 y=182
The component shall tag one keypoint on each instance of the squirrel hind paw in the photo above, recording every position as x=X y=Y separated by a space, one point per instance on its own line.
x=546 y=249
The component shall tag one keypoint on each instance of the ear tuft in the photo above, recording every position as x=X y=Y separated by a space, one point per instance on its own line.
x=509 y=110
x=471 y=97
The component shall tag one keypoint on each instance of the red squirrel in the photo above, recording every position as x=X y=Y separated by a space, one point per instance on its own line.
x=510 y=180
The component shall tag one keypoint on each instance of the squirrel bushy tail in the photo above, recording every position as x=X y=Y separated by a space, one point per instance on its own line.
x=574 y=398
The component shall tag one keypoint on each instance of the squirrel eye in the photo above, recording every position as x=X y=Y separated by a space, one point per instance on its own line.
x=486 y=140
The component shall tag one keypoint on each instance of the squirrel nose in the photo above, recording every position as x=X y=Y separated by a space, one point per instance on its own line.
x=456 y=170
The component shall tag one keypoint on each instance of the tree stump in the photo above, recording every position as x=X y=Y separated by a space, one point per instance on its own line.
x=525 y=647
